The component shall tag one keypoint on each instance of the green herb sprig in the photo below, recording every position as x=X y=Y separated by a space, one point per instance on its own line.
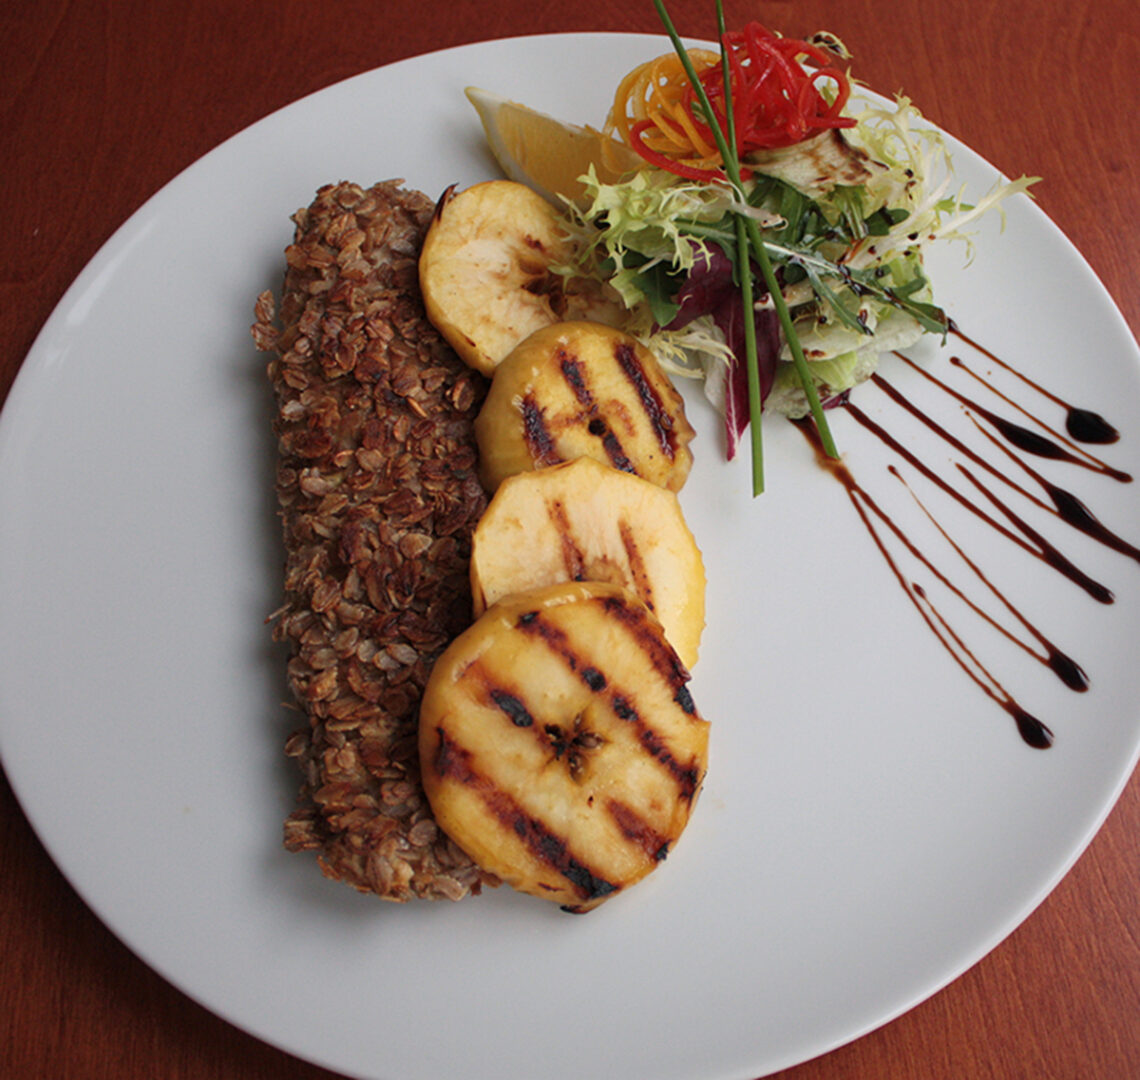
x=749 y=237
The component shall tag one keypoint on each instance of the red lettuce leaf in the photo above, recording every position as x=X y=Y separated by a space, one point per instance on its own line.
x=710 y=289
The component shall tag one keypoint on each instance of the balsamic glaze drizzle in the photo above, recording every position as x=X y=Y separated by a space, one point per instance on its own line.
x=1069 y=508
x=1064 y=503
x=1082 y=424
x=1035 y=545
x=1014 y=440
x=1020 y=436
x=1032 y=730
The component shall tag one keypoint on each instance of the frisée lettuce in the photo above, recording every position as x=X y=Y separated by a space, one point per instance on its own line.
x=845 y=217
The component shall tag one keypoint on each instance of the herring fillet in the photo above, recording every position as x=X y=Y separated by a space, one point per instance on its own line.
x=378 y=495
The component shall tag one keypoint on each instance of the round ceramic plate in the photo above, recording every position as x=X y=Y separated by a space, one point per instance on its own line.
x=872 y=823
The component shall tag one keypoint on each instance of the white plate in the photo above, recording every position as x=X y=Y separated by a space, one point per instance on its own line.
x=871 y=826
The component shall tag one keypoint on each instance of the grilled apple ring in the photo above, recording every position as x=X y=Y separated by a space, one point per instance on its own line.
x=559 y=744
x=584 y=521
x=489 y=271
x=583 y=389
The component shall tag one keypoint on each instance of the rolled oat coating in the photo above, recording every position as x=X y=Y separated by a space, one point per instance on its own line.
x=378 y=496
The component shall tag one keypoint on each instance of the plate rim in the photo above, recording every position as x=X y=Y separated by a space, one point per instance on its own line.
x=23 y=387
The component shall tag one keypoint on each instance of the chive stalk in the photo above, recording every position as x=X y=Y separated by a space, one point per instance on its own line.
x=747 y=229
x=744 y=269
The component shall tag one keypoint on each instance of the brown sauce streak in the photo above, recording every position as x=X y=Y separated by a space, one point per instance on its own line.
x=1014 y=440
x=1020 y=436
x=1030 y=541
x=1032 y=730
x=1083 y=425
x=1062 y=502
x=1062 y=665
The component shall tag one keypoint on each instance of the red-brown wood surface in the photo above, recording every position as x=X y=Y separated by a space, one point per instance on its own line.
x=102 y=103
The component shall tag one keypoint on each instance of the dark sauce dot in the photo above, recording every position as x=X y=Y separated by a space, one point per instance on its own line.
x=1090 y=427
x=1032 y=731
x=1068 y=671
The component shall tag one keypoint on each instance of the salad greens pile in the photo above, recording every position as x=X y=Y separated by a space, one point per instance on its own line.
x=844 y=219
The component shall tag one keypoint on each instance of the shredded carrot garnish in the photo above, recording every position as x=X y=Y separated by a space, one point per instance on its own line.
x=652 y=112
x=777 y=101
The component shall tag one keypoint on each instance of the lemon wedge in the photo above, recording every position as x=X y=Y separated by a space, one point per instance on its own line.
x=546 y=153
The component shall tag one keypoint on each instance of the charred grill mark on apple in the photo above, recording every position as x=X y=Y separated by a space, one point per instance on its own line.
x=688 y=777
x=506 y=700
x=571 y=742
x=539 y=441
x=666 y=662
x=642 y=584
x=683 y=698
x=555 y=638
x=612 y=446
x=651 y=403
x=517 y=712
x=455 y=763
x=594 y=679
x=573 y=560
x=574 y=372
x=637 y=830
x=575 y=375
x=662 y=657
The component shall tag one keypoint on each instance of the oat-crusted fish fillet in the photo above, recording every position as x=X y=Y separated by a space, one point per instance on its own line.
x=378 y=494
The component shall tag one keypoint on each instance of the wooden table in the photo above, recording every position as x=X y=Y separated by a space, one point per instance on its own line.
x=104 y=102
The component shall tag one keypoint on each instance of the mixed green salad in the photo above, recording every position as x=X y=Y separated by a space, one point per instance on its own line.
x=844 y=201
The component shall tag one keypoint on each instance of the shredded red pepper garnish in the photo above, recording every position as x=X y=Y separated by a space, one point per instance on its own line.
x=777 y=102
